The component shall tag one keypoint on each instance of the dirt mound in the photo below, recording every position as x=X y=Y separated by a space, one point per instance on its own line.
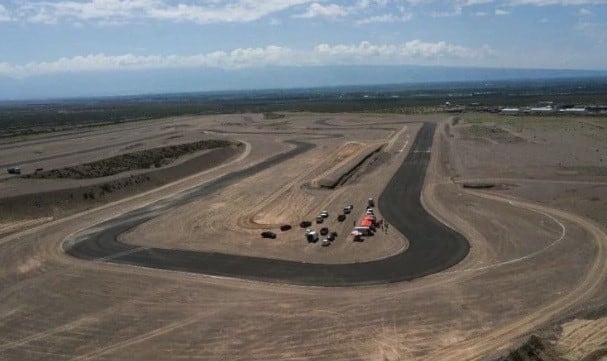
x=149 y=158
x=346 y=168
x=475 y=185
x=67 y=201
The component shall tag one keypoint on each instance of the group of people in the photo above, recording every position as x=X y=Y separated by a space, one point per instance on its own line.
x=383 y=226
x=380 y=224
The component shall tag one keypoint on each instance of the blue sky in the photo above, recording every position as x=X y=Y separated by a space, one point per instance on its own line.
x=41 y=38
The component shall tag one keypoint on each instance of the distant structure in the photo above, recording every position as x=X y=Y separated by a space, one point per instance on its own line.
x=510 y=111
x=542 y=109
x=547 y=107
x=573 y=110
x=597 y=109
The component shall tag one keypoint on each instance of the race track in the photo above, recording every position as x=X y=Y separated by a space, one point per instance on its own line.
x=433 y=246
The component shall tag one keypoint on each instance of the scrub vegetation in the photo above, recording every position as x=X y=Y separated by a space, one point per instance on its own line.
x=149 y=158
x=25 y=118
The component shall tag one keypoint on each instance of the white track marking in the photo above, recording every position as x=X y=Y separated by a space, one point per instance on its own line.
x=14 y=236
x=519 y=259
x=120 y=254
x=404 y=146
x=394 y=138
x=528 y=180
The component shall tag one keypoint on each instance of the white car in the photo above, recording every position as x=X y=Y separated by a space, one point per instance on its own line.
x=311 y=236
x=326 y=242
x=324 y=214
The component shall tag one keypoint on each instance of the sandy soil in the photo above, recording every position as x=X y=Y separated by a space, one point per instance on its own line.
x=232 y=220
x=535 y=259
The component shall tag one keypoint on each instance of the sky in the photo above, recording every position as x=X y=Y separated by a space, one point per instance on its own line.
x=39 y=39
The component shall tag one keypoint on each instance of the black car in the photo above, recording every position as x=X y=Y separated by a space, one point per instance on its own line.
x=268 y=234
x=341 y=217
x=285 y=227
x=305 y=224
x=324 y=231
x=331 y=236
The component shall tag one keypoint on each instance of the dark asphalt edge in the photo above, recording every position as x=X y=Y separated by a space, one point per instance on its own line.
x=433 y=246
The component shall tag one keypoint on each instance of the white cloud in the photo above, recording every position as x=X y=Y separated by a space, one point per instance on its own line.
x=358 y=8
x=364 y=53
x=385 y=18
x=240 y=11
x=584 y=12
x=555 y=2
x=593 y=30
x=326 y=11
x=457 y=11
x=480 y=13
x=4 y=14
x=455 y=7
x=501 y=12
x=203 y=12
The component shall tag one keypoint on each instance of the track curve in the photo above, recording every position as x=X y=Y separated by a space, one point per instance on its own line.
x=433 y=246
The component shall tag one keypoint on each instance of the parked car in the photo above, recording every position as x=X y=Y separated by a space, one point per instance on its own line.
x=311 y=236
x=14 y=170
x=331 y=237
x=324 y=231
x=268 y=234
x=341 y=218
x=324 y=214
x=305 y=224
x=320 y=219
x=326 y=242
x=285 y=227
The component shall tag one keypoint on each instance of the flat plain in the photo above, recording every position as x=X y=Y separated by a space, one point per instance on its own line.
x=536 y=228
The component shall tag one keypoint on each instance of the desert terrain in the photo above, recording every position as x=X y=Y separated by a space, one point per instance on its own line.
x=529 y=195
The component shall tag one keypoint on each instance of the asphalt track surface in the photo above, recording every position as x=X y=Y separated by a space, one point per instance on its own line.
x=433 y=246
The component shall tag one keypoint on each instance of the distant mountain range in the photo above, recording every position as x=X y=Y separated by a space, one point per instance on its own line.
x=90 y=84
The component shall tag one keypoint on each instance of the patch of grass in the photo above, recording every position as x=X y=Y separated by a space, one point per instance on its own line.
x=272 y=115
x=492 y=132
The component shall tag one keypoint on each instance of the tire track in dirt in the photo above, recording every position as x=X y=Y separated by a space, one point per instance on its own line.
x=480 y=347
x=82 y=151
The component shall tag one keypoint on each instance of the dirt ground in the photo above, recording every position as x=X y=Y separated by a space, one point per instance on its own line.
x=231 y=221
x=538 y=256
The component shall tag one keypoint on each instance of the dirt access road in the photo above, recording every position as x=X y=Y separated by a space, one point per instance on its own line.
x=529 y=264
